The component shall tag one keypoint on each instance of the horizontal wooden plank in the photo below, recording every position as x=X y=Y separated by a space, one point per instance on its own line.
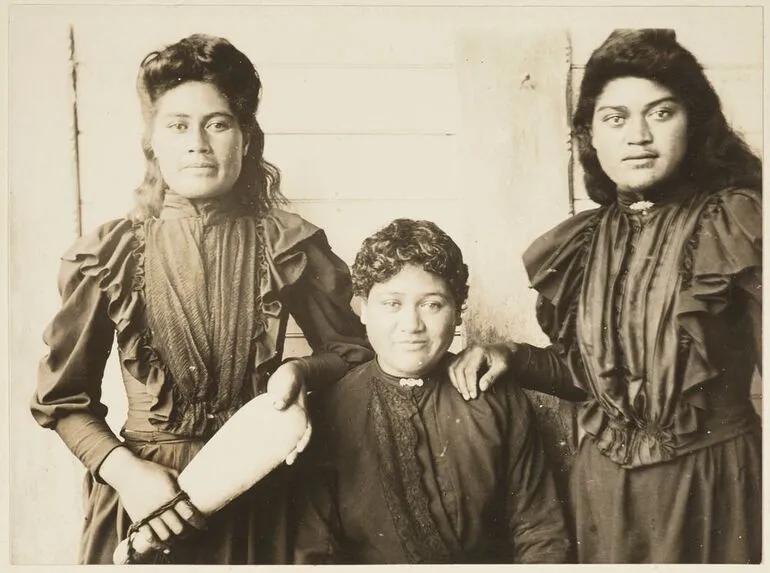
x=401 y=35
x=359 y=166
x=348 y=222
x=300 y=100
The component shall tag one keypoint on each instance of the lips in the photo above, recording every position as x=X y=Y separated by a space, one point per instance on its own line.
x=641 y=156
x=200 y=165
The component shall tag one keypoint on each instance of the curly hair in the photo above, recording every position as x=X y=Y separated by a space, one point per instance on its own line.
x=408 y=242
x=203 y=58
x=716 y=156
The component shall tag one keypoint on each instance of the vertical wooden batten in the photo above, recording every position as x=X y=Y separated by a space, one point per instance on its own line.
x=514 y=167
x=75 y=132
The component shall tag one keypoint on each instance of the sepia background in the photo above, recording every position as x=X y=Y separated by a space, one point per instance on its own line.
x=455 y=114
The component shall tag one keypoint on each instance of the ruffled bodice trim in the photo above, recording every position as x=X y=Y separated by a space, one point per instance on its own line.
x=654 y=400
x=116 y=255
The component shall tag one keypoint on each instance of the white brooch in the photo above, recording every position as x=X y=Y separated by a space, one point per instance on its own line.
x=642 y=206
x=411 y=382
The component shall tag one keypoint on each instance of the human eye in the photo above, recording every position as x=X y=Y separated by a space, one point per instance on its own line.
x=177 y=126
x=433 y=305
x=219 y=124
x=663 y=113
x=391 y=303
x=614 y=120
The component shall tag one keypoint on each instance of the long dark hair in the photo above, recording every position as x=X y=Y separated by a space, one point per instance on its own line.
x=716 y=156
x=213 y=60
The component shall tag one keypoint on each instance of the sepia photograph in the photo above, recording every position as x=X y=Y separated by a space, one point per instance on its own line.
x=384 y=283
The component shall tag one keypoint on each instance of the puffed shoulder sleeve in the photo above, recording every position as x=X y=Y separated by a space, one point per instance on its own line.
x=316 y=288
x=729 y=247
x=79 y=338
x=554 y=261
x=723 y=264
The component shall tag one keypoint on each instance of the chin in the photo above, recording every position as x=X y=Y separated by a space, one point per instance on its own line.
x=201 y=193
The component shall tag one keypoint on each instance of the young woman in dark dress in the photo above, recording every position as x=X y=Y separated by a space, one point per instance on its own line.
x=196 y=286
x=653 y=305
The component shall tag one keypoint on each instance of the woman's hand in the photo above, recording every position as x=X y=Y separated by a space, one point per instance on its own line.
x=478 y=366
x=143 y=487
x=286 y=386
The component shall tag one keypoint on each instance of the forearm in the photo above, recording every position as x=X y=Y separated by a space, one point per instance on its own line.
x=544 y=370
x=320 y=370
x=115 y=466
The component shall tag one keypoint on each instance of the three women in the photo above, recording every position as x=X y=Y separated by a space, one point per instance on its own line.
x=652 y=303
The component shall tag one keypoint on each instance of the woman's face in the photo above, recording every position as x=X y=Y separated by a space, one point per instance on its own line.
x=639 y=131
x=197 y=141
x=410 y=321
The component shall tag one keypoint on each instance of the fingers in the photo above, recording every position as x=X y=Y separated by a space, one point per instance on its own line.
x=147 y=540
x=174 y=522
x=467 y=369
x=190 y=514
x=301 y=445
x=459 y=369
x=494 y=372
x=305 y=439
x=160 y=529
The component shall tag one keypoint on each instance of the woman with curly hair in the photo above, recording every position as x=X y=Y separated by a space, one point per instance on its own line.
x=653 y=303
x=408 y=471
x=196 y=286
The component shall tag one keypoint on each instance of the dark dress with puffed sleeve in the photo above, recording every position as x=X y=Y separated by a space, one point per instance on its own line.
x=198 y=300
x=654 y=316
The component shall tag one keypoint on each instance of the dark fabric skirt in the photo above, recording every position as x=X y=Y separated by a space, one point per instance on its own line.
x=253 y=529
x=704 y=507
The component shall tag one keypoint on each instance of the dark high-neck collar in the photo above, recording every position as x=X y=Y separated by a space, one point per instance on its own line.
x=178 y=207
x=429 y=378
x=673 y=190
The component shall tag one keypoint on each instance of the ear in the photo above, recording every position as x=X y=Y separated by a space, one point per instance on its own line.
x=363 y=311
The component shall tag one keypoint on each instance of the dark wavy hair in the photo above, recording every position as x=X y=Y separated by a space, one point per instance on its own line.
x=408 y=242
x=203 y=58
x=716 y=156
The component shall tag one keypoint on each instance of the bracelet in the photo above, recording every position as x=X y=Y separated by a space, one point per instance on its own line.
x=134 y=528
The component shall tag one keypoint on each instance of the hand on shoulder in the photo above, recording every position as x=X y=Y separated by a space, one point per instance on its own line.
x=478 y=366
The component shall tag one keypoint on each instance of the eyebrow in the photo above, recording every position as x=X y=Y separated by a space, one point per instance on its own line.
x=423 y=295
x=205 y=117
x=647 y=106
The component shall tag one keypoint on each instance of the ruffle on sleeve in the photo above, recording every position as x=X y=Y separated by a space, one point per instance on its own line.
x=283 y=264
x=555 y=263
x=115 y=258
x=314 y=284
x=724 y=250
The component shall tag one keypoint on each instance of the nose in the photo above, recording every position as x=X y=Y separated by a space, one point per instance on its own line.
x=198 y=141
x=639 y=131
x=410 y=320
